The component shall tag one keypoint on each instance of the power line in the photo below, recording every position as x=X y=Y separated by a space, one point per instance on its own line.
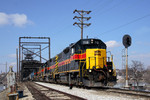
x=110 y=8
x=95 y=5
x=102 y=6
x=64 y=28
x=116 y=28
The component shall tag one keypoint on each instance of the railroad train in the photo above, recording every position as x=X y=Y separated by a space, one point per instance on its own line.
x=84 y=63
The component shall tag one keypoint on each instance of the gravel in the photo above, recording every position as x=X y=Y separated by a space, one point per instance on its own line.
x=26 y=93
x=89 y=94
x=3 y=95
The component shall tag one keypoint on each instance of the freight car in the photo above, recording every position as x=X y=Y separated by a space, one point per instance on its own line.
x=84 y=63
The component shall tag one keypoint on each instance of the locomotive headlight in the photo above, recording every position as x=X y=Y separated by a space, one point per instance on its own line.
x=90 y=71
x=110 y=71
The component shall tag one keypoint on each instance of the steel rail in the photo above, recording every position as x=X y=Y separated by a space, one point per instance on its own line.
x=130 y=92
x=145 y=94
x=39 y=95
x=73 y=97
x=36 y=93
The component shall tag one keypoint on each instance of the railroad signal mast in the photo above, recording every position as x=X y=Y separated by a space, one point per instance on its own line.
x=81 y=24
x=126 y=42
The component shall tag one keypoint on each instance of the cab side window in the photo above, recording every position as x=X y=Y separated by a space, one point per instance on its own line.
x=72 y=51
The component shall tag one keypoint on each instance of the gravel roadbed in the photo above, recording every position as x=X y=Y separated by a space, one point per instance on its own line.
x=90 y=94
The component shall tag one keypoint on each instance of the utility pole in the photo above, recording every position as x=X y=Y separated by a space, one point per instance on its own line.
x=49 y=48
x=6 y=67
x=17 y=62
x=82 y=13
x=19 y=74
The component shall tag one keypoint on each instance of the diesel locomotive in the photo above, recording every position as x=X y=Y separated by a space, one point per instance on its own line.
x=84 y=63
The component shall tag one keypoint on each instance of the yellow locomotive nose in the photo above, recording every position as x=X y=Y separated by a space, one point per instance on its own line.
x=95 y=58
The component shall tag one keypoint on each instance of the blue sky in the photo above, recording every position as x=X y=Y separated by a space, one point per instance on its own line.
x=111 y=19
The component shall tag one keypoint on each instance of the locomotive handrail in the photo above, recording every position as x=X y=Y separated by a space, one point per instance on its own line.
x=113 y=66
x=83 y=66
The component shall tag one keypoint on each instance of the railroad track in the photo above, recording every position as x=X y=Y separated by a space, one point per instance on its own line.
x=143 y=94
x=40 y=92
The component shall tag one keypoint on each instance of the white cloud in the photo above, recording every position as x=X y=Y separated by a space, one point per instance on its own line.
x=112 y=44
x=18 y=20
x=4 y=19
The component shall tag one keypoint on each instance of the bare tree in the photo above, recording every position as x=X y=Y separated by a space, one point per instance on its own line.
x=147 y=75
x=138 y=71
